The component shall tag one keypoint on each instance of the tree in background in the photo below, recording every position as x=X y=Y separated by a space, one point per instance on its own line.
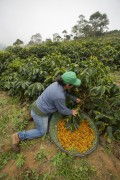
x=87 y=30
x=18 y=42
x=56 y=37
x=82 y=22
x=36 y=39
x=66 y=35
x=98 y=22
x=95 y=26
x=78 y=29
x=75 y=31
x=48 y=40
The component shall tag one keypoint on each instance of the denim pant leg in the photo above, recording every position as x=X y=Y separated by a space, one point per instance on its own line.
x=41 y=123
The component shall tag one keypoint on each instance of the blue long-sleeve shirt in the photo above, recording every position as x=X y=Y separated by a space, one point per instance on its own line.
x=53 y=99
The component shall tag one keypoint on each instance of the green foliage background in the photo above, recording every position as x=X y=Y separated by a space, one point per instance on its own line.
x=27 y=71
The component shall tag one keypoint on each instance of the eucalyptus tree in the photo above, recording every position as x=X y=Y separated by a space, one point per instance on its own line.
x=67 y=36
x=56 y=37
x=64 y=34
x=36 y=39
x=82 y=22
x=18 y=42
x=75 y=31
x=98 y=22
x=87 y=30
x=48 y=40
x=78 y=29
x=95 y=26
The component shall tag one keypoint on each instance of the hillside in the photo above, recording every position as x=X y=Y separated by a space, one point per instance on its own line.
x=25 y=72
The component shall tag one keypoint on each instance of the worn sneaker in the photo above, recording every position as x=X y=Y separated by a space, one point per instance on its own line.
x=15 y=142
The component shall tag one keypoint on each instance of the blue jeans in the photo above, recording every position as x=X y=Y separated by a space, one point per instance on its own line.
x=41 y=123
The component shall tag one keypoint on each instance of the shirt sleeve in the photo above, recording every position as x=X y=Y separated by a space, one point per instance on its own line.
x=60 y=105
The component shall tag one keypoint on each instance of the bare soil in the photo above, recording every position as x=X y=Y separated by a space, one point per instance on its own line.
x=107 y=165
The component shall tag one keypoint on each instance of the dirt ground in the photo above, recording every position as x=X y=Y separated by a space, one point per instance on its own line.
x=106 y=164
x=106 y=158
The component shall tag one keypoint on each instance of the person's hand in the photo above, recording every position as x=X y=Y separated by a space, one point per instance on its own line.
x=78 y=100
x=74 y=112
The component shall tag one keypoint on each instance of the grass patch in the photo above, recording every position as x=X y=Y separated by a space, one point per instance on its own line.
x=26 y=145
x=12 y=119
x=20 y=160
x=30 y=174
x=69 y=169
x=4 y=119
x=41 y=155
x=5 y=157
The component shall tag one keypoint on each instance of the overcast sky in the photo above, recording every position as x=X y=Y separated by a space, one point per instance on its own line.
x=20 y=19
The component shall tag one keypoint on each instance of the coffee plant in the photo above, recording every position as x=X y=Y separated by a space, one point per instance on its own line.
x=26 y=72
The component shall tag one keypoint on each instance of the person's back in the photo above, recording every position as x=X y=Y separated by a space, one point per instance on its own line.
x=52 y=94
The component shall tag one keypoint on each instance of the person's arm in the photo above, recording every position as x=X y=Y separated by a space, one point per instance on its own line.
x=61 y=107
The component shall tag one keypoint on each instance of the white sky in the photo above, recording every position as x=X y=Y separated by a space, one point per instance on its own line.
x=20 y=19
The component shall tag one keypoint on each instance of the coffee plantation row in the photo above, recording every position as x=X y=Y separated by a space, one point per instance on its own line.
x=27 y=71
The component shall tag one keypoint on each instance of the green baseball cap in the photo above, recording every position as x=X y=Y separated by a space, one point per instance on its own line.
x=71 y=78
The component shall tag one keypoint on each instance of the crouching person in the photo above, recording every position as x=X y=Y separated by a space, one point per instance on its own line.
x=51 y=100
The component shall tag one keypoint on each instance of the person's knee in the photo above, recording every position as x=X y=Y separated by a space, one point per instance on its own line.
x=44 y=130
